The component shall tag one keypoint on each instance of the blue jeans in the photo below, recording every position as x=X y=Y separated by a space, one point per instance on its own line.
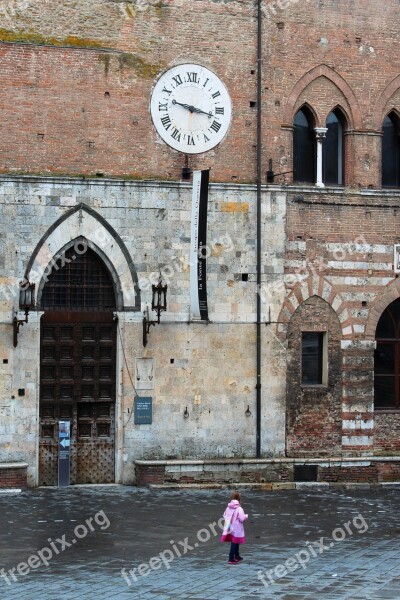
x=233 y=552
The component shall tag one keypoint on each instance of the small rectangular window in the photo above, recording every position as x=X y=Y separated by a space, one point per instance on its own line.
x=313 y=358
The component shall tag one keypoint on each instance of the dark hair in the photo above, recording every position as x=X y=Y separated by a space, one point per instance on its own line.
x=235 y=496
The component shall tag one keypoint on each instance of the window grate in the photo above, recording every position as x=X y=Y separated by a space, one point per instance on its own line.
x=79 y=282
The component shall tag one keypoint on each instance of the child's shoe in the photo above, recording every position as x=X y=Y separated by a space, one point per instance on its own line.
x=233 y=562
x=238 y=559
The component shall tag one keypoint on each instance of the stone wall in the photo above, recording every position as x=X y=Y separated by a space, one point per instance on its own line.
x=75 y=90
x=208 y=368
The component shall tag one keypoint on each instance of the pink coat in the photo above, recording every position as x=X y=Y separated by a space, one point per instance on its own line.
x=236 y=533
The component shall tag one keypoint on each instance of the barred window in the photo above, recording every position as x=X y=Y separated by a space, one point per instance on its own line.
x=79 y=281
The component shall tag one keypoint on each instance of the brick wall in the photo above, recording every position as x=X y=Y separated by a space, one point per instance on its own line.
x=82 y=110
x=146 y=475
x=330 y=54
x=313 y=412
x=85 y=110
x=341 y=248
x=388 y=472
x=387 y=433
x=348 y=474
x=13 y=477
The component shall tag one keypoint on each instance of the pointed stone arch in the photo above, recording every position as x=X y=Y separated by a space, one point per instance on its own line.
x=321 y=288
x=391 y=294
x=84 y=225
x=355 y=118
x=343 y=112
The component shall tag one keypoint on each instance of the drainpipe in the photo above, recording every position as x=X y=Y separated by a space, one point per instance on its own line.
x=259 y=175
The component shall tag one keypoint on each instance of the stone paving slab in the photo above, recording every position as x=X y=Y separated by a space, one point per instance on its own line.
x=346 y=539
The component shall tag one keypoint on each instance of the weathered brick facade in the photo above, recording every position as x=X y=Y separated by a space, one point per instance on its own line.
x=314 y=415
x=79 y=154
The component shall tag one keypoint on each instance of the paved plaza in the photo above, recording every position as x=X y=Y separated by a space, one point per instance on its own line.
x=113 y=542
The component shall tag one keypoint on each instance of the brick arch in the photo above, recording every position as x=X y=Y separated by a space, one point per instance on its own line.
x=342 y=110
x=381 y=107
x=321 y=288
x=312 y=111
x=391 y=109
x=355 y=120
x=314 y=421
x=380 y=305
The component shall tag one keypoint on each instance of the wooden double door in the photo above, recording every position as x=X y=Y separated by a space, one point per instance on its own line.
x=77 y=383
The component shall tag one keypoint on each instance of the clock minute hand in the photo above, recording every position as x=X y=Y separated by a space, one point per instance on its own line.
x=202 y=112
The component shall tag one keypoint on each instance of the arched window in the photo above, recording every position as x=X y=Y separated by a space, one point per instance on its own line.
x=303 y=146
x=391 y=151
x=333 y=149
x=79 y=281
x=387 y=358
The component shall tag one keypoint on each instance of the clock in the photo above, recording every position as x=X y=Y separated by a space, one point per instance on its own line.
x=191 y=108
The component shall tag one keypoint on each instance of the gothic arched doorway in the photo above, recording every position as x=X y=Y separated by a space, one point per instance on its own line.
x=78 y=367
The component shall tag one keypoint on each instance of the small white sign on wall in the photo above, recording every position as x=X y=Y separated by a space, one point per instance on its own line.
x=396 y=260
x=144 y=373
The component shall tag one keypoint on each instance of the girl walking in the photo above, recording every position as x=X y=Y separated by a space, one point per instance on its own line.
x=233 y=529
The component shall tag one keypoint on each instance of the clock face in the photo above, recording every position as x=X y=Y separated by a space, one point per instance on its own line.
x=191 y=108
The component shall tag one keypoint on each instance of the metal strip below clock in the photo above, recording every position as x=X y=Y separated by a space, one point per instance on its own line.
x=191 y=108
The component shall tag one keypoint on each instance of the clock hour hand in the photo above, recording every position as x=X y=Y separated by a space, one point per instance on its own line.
x=192 y=109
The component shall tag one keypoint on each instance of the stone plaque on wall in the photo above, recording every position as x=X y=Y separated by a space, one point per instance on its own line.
x=144 y=373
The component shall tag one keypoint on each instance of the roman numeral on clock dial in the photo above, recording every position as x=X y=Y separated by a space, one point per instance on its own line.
x=176 y=134
x=166 y=121
x=178 y=80
x=192 y=78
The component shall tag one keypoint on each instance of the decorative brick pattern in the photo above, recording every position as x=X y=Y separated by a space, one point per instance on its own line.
x=314 y=420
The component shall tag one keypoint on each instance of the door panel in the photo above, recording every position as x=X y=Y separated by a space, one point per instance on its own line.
x=78 y=366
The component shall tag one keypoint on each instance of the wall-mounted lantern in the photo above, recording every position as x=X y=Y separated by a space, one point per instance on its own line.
x=26 y=303
x=158 y=304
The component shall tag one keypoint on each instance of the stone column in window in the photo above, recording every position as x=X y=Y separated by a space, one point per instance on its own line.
x=320 y=133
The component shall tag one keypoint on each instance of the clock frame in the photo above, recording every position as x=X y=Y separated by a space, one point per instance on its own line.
x=191 y=108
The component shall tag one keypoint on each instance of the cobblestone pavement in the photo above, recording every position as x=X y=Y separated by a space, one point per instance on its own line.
x=322 y=544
